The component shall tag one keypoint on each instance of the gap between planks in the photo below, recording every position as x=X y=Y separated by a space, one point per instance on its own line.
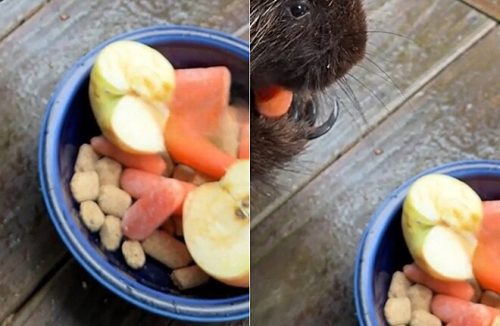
x=486 y=7
x=24 y=19
x=58 y=266
x=392 y=107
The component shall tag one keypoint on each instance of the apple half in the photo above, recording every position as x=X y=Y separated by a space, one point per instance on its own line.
x=130 y=85
x=216 y=222
x=441 y=219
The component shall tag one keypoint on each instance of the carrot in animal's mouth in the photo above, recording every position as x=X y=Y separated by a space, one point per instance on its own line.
x=273 y=101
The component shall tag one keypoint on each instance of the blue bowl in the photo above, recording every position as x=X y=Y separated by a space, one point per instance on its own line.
x=69 y=122
x=383 y=250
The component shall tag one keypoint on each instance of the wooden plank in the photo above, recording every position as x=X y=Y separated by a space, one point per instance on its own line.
x=57 y=304
x=33 y=59
x=15 y=12
x=303 y=255
x=434 y=34
x=489 y=7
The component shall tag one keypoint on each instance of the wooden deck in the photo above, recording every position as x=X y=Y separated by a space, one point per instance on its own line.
x=40 y=284
x=429 y=96
x=435 y=99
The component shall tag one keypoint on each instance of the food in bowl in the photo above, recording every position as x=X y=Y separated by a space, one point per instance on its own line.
x=130 y=188
x=453 y=237
x=441 y=220
x=216 y=217
x=130 y=86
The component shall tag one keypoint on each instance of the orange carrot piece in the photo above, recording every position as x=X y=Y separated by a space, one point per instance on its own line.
x=200 y=94
x=459 y=289
x=198 y=118
x=138 y=183
x=448 y=308
x=460 y=312
x=486 y=260
x=149 y=212
x=152 y=163
x=194 y=150
x=491 y=209
x=244 y=150
x=475 y=316
x=273 y=101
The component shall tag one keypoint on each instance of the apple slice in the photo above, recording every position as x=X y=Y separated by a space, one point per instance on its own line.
x=129 y=86
x=216 y=222
x=441 y=219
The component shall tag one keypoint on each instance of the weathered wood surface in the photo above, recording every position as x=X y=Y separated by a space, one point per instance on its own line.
x=32 y=60
x=15 y=12
x=73 y=297
x=489 y=7
x=303 y=255
x=433 y=33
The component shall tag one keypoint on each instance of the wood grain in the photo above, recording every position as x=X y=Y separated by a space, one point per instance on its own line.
x=33 y=58
x=489 y=7
x=433 y=34
x=57 y=304
x=303 y=255
x=15 y=12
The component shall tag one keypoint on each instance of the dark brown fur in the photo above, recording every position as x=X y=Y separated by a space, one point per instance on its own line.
x=304 y=55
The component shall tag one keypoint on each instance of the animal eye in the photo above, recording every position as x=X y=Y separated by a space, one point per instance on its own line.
x=299 y=10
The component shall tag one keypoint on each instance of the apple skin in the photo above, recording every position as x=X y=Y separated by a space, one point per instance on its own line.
x=458 y=207
x=127 y=68
x=216 y=225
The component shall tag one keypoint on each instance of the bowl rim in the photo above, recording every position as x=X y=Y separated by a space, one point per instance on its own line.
x=163 y=304
x=379 y=222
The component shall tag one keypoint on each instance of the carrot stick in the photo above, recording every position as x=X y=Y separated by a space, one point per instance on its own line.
x=486 y=260
x=152 y=163
x=244 y=149
x=190 y=148
x=273 y=101
x=149 y=212
x=460 y=312
x=491 y=208
x=201 y=131
x=201 y=92
x=138 y=183
x=458 y=289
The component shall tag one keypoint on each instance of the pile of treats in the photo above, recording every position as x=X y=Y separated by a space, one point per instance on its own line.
x=109 y=186
x=418 y=299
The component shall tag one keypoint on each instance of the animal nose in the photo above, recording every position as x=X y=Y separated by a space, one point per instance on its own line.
x=310 y=114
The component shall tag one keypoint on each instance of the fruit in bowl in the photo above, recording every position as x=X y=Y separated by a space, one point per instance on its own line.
x=217 y=226
x=130 y=85
x=415 y=294
x=138 y=100
x=453 y=237
x=441 y=220
x=70 y=122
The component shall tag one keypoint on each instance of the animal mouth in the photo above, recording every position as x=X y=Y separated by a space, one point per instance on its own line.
x=309 y=112
x=276 y=101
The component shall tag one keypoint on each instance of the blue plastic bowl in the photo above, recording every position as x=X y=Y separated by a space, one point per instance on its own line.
x=383 y=250
x=69 y=122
